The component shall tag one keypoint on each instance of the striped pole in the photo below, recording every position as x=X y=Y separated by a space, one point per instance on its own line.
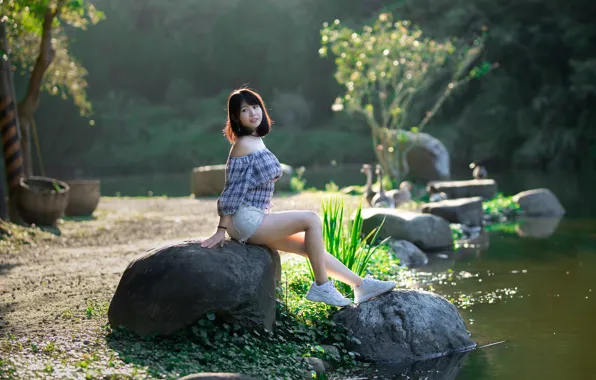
x=9 y=128
x=13 y=157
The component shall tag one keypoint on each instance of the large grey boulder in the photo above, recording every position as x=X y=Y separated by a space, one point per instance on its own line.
x=171 y=287
x=405 y=326
x=461 y=211
x=210 y=180
x=539 y=202
x=408 y=254
x=428 y=232
x=428 y=159
x=485 y=188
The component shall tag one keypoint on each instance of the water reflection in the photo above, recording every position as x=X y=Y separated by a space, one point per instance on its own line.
x=539 y=294
x=542 y=227
x=443 y=368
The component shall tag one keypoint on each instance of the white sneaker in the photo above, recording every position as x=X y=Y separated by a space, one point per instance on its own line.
x=371 y=288
x=328 y=294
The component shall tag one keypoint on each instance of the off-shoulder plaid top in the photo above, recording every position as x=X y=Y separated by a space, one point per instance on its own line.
x=249 y=180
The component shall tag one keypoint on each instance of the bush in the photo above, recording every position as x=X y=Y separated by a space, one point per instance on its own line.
x=501 y=206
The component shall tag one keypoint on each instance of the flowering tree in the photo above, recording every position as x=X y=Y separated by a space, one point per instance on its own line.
x=383 y=68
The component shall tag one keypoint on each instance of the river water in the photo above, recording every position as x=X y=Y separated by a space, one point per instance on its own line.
x=533 y=285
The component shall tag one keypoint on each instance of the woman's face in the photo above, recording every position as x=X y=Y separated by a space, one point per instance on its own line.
x=251 y=115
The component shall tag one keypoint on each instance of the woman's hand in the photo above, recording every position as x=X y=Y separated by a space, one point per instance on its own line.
x=218 y=238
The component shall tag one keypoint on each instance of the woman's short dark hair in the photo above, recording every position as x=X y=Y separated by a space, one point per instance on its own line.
x=234 y=127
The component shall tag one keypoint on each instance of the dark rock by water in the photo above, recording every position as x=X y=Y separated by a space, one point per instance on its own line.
x=405 y=326
x=428 y=158
x=462 y=211
x=408 y=254
x=485 y=188
x=319 y=366
x=539 y=202
x=428 y=232
x=172 y=286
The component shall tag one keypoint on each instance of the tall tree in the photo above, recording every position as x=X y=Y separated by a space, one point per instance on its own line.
x=39 y=46
x=384 y=68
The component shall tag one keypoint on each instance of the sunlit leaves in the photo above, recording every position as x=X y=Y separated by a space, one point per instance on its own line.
x=24 y=19
x=384 y=66
x=387 y=55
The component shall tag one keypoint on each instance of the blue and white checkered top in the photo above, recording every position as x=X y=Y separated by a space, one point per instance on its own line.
x=250 y=180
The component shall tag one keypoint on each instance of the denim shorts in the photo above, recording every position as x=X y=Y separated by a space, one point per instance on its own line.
x=247 y=221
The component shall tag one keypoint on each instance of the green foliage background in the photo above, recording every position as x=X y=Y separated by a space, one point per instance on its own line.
x=159 y=73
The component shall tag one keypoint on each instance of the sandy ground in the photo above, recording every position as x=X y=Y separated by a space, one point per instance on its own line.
x=44 y=282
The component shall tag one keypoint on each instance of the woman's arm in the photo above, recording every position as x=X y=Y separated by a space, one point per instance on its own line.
x=238 y=181
x=225 y=221
x=219 y=236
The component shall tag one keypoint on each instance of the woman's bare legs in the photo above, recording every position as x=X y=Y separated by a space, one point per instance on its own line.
x=301 y=232
x=280 y=225
x=295 y=244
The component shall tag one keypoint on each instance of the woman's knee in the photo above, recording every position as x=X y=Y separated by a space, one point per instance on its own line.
x=313 y=221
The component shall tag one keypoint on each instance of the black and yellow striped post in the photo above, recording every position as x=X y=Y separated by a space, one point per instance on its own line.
x=11 y=136
x=11 y=143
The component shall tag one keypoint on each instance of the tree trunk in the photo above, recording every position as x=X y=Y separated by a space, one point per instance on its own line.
x=30 y=102
x=394 y=162
x=9 y=128
x=25 y=127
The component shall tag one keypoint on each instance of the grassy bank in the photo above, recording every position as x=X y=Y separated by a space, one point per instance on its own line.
x=303 y=329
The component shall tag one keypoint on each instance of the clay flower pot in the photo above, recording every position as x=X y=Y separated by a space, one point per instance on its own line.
x=83 y=198
x=42 y=200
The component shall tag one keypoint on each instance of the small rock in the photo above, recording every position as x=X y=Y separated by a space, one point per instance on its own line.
x=428 y=232
x=539 y=202
x=408 y=254
x=318 y=365
x=331 y=351
x=462 y=210
x=485 y=188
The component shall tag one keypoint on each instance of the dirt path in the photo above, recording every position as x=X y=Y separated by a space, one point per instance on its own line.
x=43 y=284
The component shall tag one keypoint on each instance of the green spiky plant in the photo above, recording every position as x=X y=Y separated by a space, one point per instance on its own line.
x=347 y=244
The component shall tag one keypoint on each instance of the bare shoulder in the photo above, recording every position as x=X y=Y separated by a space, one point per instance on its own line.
x=243 y=147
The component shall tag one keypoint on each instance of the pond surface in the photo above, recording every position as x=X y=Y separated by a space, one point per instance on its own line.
x=538 y=294
x=533 y=285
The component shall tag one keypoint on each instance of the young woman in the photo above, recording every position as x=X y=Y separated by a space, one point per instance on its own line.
x=244 y=205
